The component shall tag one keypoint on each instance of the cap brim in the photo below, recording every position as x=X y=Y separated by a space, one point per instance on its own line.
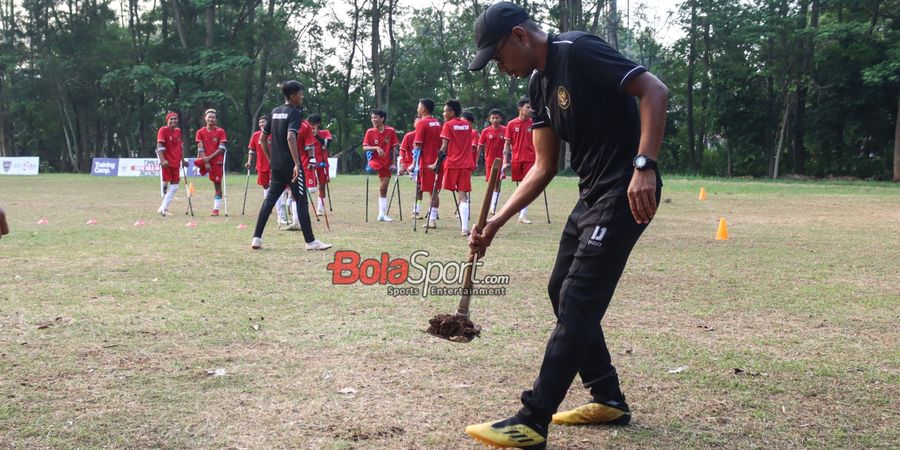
x=482 y=57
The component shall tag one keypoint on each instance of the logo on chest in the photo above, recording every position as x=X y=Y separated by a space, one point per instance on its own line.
x=562 y=97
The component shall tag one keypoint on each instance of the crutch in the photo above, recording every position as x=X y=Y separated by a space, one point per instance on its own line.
x=434 y=189
x=318 y=187
x=246 y=187
x=188 y=186
x=546 y=206
x=224 y=185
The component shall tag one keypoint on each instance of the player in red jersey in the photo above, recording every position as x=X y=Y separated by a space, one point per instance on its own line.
x=469 y=117
x=306 y=151
x=169 y=150
x=519 y=151
x=381 y=140
x=321 y=141
x=263 y=169
x=406 y=150
x=427 y=143
x=491 y=144
x=211 y=154
x=456 y=137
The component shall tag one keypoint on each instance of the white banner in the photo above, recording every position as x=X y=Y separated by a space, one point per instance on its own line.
x=138 y=167
x=332 y=168
x=24 y=165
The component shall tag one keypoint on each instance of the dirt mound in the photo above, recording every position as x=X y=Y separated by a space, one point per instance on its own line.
x=453 y=327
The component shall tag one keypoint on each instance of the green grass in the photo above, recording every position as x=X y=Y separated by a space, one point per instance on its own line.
x=804 y=298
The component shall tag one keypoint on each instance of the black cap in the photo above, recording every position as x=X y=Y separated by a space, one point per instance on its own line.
x=492 y=25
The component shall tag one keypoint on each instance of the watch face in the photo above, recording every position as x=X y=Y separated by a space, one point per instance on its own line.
x=640 y=162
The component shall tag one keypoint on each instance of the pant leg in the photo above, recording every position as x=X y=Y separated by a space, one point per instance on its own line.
x=276 y=188
x=302 y=210
x=606 y=232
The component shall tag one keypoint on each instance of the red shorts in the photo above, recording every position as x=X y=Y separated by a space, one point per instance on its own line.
x=457 y=180
x=215 y=173
x=264 y=178
x=426 y=179
x=519 y=169
x=171 y=173
x=323 y=175
x=487 y=171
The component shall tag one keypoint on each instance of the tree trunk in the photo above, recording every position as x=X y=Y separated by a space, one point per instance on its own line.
x=210 y=24
x=179 y=24
x=897 y=142
x=784 y=125
x=376 y=53
x=612 y=25
x=391 y=67
x=692 y=56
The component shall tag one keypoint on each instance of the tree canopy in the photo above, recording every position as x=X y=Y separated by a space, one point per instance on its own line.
x=758 y=87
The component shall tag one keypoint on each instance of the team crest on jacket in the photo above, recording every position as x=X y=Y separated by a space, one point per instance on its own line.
x=562 y=96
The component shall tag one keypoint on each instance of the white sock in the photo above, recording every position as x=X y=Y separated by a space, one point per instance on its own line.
x=279 y=205
x=434 y=213
x=523 y=212
x=464 y=215
x=382 y=206
x=265 y=192
x=294 y=213
x=321 y=204
x=170 y=194
x=416 y=206
x=494 y=199
x=217 y=203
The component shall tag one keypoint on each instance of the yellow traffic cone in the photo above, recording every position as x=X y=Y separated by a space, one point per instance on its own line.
x=702 y=193
x=722 y=233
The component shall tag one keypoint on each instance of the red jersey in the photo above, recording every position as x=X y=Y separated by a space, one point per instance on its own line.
x=518 y=132
x=428 y=138
x=321 y=152
x=474 y=144
x=170 y=138
x=406 y=148
x=262 y=162
x=493 y=141
x=304 y=138
x=385 y=140
x=459 y=149
x=211 y=140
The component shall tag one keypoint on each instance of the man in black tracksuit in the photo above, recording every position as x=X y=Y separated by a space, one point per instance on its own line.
x=284 y=159
x=582 y=91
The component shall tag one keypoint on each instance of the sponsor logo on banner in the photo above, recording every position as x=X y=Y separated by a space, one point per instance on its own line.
x=105 y=167
x=20 y=165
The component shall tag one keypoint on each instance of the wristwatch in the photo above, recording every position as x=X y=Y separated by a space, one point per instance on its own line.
x=642 y=162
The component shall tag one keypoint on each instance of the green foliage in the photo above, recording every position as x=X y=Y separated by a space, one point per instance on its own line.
x=85 y=78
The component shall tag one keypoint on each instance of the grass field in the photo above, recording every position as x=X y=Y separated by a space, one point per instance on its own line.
x=109 y=332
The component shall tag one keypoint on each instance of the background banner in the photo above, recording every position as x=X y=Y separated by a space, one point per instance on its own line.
x=19 y=165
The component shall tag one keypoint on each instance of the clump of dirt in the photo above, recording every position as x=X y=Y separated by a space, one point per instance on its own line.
x=453 y=327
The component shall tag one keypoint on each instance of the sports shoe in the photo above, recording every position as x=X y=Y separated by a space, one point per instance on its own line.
x=609 y=412
x=417 y=216
x=215 y=213
x=162 y=212
x=256 y=243
x=385 y=218
x=320 y=211
x=465 y=233
x=523 y=219
x=509 y=433
x=317 y=245
x=431 y=224
x=292 y=227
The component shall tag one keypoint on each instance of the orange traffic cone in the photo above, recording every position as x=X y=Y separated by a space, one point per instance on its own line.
x=702 y=194
x=722 y=233
x=191 y=188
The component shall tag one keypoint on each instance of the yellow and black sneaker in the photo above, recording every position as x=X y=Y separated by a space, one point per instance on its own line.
x=607 y=412
x=509 y=433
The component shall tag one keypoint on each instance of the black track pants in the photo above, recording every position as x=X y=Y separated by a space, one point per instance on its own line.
x=280 y=179
x=592 y=254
